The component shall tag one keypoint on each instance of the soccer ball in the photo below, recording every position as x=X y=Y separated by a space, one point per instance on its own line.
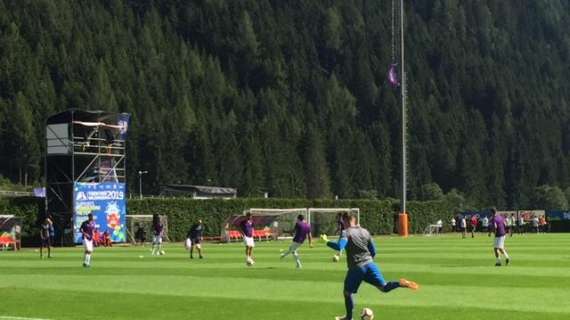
x=162 y=252
x=249 y=262
x=336 y=258
x=367 y=314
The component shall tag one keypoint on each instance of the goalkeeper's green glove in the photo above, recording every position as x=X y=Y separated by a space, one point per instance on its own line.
x=324 y=238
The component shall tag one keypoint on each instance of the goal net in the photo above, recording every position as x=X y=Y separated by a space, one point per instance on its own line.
x=325 y=220
x=139 y=228
x=268 y=223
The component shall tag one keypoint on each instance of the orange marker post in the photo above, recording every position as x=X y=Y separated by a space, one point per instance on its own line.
x=403 y=224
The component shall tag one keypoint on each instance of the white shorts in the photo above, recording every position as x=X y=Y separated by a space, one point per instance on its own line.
x=157 y=240
x=188 y=243
x=248 y=241
x=500 y=242
x=88 y=245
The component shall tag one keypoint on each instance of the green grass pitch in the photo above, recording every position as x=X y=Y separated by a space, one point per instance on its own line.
x=458 y=279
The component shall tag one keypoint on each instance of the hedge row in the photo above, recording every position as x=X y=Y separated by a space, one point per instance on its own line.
x=29 y=209
x=376 y=215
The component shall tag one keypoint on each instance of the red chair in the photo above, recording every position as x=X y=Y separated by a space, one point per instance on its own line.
x=7 y=241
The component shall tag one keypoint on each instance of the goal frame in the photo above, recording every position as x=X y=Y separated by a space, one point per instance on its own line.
x=130 y=227
x=312 y=211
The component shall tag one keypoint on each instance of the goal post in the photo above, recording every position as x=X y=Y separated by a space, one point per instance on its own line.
x=325 y=220
x=139 y=227
x=269 y=223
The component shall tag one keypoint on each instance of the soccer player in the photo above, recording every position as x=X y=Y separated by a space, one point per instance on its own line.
x=498 y=224
x=302 y=232
x=360 y=252
x=512 y=222
x=340 y=226
x=87 y=229
x=521 y=224
x=158 y=232
x=246 y=228
x=45 y=237
x=195 y=236
x=535 y=224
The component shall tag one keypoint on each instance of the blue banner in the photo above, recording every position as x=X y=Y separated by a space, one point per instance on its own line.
x=106 y=201
x=556 y=215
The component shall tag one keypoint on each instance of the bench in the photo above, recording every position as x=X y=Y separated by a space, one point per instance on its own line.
x=7 y=241
x=259 y=234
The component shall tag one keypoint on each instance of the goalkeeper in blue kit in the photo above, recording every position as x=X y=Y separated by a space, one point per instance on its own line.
x=360 y=252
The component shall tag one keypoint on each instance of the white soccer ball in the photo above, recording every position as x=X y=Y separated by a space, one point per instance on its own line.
x=336 y=258
x=249 y=262
x=162 y=253
x=367 y=314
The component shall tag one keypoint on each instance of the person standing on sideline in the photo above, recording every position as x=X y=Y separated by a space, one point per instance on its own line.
x=474 y=223
x=87 y=230
x=246 y=228
x=45 y=237
x=512 y=224
x=485 y=223
x=302 y=232
x=499 y=227
x=463 y=227
x=453 y=224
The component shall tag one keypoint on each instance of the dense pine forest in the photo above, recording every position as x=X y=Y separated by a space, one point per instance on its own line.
x=291 y=97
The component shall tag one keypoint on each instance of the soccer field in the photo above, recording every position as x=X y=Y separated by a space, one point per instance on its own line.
x=457 y=276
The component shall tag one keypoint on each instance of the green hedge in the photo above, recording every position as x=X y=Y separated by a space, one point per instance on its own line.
x=376 y=215
x=30 y=210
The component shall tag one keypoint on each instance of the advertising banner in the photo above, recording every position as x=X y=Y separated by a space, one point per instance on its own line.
x=557 y=215
x=106 y=201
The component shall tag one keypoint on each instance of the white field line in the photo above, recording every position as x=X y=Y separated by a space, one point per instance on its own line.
x=19 y=318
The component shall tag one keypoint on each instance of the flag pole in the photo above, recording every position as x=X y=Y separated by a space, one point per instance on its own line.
x=403 y=213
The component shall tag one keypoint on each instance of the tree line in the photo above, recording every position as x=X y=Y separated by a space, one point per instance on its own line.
x=291 y=98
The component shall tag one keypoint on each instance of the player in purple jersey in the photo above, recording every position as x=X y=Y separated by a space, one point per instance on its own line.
x=87 y=229
x=498 y=223
x=158 y=232
x=246 y=229
x=302 y=232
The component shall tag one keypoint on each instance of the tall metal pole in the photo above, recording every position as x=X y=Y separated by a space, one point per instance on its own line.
x=140 y=182
x=404 y=120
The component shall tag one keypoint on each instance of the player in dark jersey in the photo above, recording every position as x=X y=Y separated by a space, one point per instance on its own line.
x=498 y=223
x=158 y=232
x=45 y=237
x=87 y=229
x=360 y=252
x=302 y=232
x=341 y=226
x=246 y=229
x=195 y=236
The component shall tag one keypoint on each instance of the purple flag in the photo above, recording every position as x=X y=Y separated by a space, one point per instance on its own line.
x=393 y=75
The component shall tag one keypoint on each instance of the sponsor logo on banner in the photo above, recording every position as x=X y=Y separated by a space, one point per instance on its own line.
x=106 y=201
